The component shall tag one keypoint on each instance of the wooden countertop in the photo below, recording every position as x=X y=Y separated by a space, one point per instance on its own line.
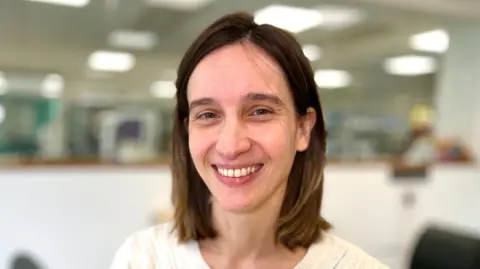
x=396 y=164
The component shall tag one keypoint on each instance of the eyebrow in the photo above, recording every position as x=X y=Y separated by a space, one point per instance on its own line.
x=250 y=96
x=201 y=102
x=264 y=97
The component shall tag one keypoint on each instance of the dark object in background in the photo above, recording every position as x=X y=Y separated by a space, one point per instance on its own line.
x=24 y=261
x=442 y=249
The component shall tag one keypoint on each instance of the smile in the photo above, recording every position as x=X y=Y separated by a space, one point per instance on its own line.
x=238 y=172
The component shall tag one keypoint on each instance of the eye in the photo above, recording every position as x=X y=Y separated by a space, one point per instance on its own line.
x=207 y=116
x=261 y=112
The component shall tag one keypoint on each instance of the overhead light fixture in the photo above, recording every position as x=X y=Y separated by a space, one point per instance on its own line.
x=312 y=52
x=3 y=84
x=410 y=65
x=339 y=17
x=164 y=89
x=292 y=19
x=332 y=79
x=436 y=41
x=52 y=86
x=129 y=39
x=111 y=61
x=70 y=3
x=179 y=4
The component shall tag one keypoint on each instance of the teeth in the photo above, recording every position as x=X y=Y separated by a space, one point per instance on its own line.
x=237 y=172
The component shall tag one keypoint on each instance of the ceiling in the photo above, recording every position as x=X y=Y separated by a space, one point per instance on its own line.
x=38 y=38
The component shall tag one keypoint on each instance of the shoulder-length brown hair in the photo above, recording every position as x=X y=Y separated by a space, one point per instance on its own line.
x=299 y=223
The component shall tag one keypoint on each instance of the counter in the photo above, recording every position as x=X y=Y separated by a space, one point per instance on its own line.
x=76 y=215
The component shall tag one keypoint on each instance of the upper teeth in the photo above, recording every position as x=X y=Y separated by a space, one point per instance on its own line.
x=237 y=172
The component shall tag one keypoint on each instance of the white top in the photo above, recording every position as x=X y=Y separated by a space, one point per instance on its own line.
x=157 y=248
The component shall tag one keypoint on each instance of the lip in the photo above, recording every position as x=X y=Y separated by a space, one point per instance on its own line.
x=235 y=166
x=236 y=182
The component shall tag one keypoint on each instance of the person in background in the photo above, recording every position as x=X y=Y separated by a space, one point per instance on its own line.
x=248 y=157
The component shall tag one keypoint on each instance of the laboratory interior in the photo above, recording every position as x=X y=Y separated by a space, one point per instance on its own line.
x=86 y=112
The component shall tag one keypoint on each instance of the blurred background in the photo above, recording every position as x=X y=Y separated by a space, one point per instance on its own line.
x=86 y=99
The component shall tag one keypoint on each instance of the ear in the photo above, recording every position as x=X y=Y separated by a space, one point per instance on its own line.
x=304 y=129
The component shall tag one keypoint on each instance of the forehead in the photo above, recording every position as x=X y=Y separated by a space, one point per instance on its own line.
x=232 y=71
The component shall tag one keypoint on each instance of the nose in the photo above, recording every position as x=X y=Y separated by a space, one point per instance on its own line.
x=232 y=139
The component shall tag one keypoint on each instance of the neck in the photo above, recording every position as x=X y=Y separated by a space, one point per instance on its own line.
x=246 y=235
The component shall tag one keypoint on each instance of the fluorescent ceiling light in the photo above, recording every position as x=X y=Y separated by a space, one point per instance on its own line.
x=436 y=41
x=312 y=52
x=71 y=3
x=111 y=61
x=339 y=17
x=179 y=4
x=293 y=19
x=52 y=86
x=3 y=84
x=163 y=89
x=410 y=65
x=332 y=79
x=129 y=39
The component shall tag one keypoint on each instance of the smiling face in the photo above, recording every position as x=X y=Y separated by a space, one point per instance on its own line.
x=243 y=128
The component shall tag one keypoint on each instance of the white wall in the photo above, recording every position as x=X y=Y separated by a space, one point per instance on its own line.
x=451 y=198
x=76 y=219
x=364 y=208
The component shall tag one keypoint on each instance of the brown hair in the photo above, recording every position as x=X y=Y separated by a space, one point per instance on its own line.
x=299 y=223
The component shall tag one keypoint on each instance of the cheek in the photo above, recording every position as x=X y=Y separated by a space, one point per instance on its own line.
x=199 y=143
x=277 y=140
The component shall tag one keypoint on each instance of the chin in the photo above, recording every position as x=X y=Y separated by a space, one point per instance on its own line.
x=241 y=194
x=237 y=205
x=236 y=194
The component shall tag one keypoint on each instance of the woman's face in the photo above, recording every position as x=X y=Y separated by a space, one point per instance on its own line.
x=243 y=129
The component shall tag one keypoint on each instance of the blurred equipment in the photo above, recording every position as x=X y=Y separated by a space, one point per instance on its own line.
x=127 y=137
x=24 y=261
x=442 y=249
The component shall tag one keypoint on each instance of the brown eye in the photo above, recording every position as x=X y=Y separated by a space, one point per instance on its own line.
x=261 y=112
x=207 y=116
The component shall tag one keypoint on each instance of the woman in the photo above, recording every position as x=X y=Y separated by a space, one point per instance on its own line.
x=248 y=159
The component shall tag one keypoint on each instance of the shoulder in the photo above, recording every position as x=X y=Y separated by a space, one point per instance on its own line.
x=143 y=247
x=344 y=255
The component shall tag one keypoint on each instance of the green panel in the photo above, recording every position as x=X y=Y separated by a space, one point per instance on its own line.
x=43 y=112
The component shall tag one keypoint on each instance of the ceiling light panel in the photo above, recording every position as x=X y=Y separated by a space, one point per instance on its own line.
x=129 y=39
x=436 y=41
x=52 y=86
x=312 y=52
x=332 y=79
x=410 y=65
x=178 y=4
x=111 y=61
x=164 y=89
x=292 y=19
x=70 y=3
x=339 y=17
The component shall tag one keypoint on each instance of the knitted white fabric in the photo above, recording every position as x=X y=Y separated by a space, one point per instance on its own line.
x=157 y=248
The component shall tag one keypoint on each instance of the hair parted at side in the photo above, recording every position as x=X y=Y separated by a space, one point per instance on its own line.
x=299 y=223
